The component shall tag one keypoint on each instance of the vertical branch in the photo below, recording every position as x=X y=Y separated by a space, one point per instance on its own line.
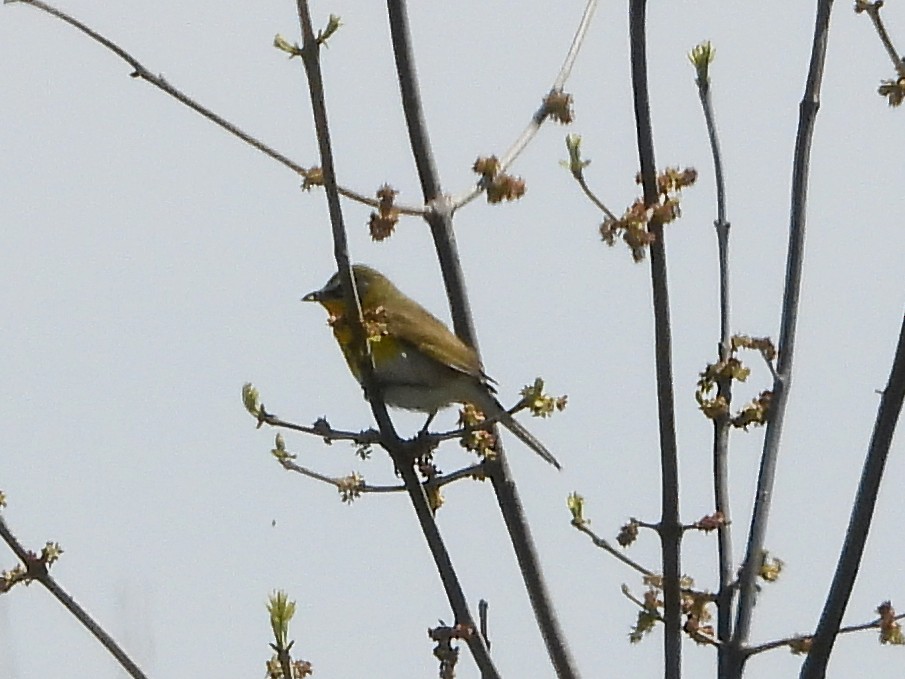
x=721 y=427
x=439 y=217
x=859 y=524
x=669 y=528
x=401 y=458
x=810 y=103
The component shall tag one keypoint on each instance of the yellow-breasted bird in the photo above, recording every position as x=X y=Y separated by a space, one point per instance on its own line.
x=420 y=364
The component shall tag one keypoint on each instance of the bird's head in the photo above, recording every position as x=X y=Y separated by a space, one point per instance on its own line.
x=373 y=288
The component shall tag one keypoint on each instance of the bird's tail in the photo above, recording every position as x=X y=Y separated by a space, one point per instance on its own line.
x=527 y=438
x=486 y=402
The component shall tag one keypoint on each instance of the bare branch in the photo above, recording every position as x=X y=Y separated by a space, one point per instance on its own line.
x=541 y=114
x=606 y=546
x=670 y=525
x=36 y=570
x=789 y=641
x=763 y=499
x=872 y=9
x=702 y=57
x=582 y=182
x=342 y=483
x=861 y=517
x=141 y=72
x=440 y=222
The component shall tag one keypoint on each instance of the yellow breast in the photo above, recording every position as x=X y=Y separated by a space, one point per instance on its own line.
x=384 y=347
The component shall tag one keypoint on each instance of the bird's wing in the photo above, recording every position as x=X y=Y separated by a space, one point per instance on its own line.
x=431 y=336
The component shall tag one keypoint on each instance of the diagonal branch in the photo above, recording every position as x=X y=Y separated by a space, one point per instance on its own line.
x=141 y=72
x=872 y=8
x=810 y=103
x=36 y=569
x=862 y=512
x=605 y=545
x=440 y=221
x=540 y=115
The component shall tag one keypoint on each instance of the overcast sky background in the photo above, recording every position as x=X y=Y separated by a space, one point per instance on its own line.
x=151 y=264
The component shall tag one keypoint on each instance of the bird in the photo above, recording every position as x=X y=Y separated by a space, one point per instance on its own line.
x=419 y=362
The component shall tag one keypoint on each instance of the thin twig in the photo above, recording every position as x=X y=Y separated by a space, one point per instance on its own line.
x=540 y=115
x=860 y=521
x=37 y=570
x=764 y=495
x=721 y=424
x=606 y=546
x=579 y=177
x=440 y=221
x=699 y=637
x=770 y=366
x=341 y=483
x=645 y=524
x=368 y=437
x=158 y=81
x=322 y=429
x=670 y=525
x=627 y=593
x=873 y=11
x=788 y=641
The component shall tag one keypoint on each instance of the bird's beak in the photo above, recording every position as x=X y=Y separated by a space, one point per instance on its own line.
x=312 y=296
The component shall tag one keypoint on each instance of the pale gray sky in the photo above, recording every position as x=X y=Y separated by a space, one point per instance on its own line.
x=152 y=264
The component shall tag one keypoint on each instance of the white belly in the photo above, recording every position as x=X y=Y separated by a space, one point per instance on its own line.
x=413 y=382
